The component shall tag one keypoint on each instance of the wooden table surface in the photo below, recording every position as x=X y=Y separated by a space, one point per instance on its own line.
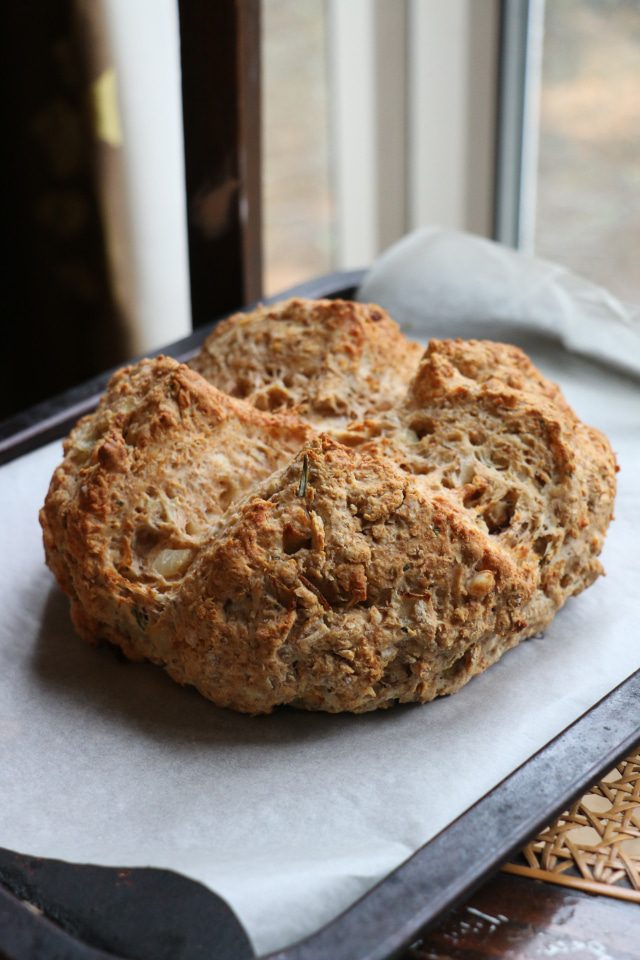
x=515 y=918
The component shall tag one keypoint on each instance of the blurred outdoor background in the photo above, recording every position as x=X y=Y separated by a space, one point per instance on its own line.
x=588 y=176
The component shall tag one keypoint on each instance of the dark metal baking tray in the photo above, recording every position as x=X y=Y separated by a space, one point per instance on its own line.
x=409 y=899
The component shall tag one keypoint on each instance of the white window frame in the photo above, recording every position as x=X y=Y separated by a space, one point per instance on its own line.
x=405 y=154
x=522 y=34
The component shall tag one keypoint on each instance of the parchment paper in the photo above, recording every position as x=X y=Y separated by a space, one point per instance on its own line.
x=289 y=817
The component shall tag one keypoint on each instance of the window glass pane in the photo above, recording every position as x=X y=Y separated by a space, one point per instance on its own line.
x=588 y=203
x=297 y=196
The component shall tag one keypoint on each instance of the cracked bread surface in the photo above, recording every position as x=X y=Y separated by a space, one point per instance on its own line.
x=379 y=534
x=329 y=361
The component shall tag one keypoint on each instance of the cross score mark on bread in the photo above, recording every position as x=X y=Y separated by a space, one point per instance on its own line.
x=316 y=512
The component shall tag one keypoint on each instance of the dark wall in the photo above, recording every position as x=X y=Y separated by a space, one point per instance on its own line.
x=60 y=321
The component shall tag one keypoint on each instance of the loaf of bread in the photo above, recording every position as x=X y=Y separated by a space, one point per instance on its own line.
x=317 y=512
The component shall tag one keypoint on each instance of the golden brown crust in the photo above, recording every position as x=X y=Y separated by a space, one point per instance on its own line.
x=144 y=484
x=330 y=361
x=359 y=593
x=455 y=506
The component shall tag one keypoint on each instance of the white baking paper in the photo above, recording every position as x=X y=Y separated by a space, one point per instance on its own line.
x=446 y=283
x=289 y=817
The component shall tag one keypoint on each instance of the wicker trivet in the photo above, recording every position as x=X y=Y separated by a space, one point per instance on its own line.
x=594 y=846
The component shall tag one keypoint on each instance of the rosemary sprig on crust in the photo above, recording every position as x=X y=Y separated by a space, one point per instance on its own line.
x=304 y=477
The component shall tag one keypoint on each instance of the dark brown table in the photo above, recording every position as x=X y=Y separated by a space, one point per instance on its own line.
x=514 y=918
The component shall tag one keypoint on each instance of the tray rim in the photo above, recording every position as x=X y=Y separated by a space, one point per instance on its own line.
x=437 y=876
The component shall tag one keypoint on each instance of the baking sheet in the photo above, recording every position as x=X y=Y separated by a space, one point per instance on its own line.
x=289 y=817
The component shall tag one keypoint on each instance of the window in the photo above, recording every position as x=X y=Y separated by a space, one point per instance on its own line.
x=588 y=176
x=296 y=174
x=378 y=116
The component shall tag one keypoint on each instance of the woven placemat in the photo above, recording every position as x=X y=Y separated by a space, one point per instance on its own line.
x=594 y=846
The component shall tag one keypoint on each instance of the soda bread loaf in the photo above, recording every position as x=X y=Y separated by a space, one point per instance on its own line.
x=316 y=512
